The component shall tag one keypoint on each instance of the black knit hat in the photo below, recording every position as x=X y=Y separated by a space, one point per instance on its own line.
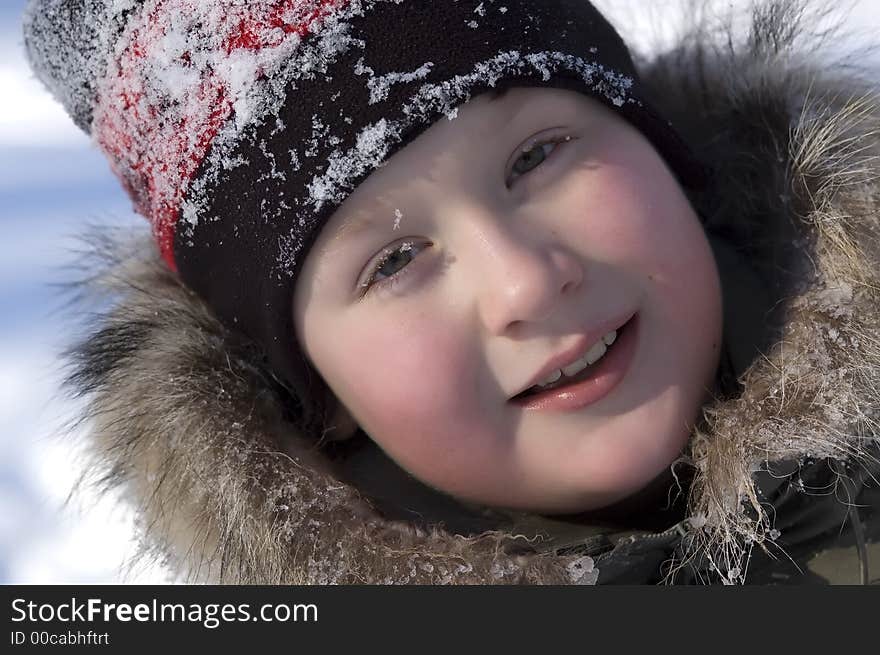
x=238 y=128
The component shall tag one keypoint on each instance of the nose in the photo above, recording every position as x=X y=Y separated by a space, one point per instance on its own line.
x=525 y=277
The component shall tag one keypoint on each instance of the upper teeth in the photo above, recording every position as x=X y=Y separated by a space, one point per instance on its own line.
x=594 y=354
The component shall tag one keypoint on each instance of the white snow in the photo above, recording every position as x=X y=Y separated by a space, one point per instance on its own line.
x=380 y=85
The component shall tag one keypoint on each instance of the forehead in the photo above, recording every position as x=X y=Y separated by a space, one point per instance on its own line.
x=496 y=107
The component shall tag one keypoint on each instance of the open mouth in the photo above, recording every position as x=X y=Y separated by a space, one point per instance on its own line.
x=586 y=374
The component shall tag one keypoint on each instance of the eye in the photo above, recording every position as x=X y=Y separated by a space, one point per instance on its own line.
x=535 y=154
x=390 y=268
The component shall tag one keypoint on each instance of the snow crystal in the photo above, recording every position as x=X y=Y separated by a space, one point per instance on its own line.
x=835 y=301
x=499 y=570
x=279 y=126
x=397 y=216
x=480 y=10
x=697 y=521
x=370 y=149
x=473 y=24
x=320 y=136
x=582 y=571
x=295 y=163
x=379 y=86
x=269 y=155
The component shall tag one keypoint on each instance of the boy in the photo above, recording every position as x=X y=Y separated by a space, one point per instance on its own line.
x=494 y=306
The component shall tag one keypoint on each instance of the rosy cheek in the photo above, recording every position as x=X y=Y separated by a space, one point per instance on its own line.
x=410 y=377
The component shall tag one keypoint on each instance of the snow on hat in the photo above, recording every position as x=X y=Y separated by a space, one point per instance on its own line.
x=237 y=127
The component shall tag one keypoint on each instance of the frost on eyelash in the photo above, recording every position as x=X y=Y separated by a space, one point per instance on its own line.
x=406 y=246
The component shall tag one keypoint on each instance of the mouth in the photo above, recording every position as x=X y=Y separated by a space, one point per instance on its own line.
x=589 y=385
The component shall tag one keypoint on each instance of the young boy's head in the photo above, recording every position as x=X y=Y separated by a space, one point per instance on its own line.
x=419 y=212
x=522 y=232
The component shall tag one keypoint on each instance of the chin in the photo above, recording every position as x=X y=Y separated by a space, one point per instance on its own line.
x=640 y=479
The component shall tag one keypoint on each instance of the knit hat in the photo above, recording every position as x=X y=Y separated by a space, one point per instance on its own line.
x=238 y=127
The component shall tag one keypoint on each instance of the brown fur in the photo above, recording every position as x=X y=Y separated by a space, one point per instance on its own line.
x=184 y=419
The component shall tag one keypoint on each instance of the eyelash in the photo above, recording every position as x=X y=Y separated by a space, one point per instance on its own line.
x=540 y=142
x=391 y=281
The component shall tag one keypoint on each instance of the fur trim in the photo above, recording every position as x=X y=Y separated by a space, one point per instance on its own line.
x=799 y=158
x=185 y=419
x=195 y=432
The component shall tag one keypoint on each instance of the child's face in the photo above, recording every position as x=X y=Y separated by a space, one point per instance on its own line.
x=512 y=257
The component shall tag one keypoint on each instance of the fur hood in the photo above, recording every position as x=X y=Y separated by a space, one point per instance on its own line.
x=183 y=417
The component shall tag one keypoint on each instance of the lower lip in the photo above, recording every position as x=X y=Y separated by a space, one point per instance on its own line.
x=610 y=371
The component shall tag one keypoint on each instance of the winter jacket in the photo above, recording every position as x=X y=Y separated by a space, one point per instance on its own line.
x=779 y=481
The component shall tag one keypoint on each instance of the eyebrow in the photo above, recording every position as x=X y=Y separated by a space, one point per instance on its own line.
x=353 y=227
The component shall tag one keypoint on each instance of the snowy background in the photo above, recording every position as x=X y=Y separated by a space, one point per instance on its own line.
x=52 y=181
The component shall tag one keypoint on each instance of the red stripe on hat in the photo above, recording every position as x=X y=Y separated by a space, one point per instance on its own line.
x=157 y=135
